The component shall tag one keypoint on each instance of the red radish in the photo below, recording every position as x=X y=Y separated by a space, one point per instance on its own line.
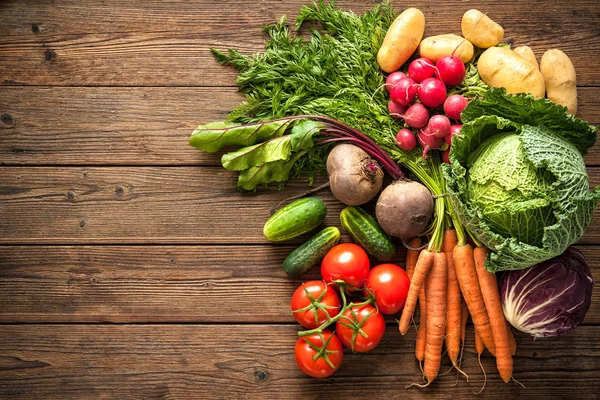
x=439 y=126
x=416 y=115
x=451 y=70
x=446 y=156
x=421 y=69
x=395 y=110
x=406 y=140
x=392 y=79
x=428 y=141
x=455 y=129
x=432 y=92
x=454 y=105
x=404 y=92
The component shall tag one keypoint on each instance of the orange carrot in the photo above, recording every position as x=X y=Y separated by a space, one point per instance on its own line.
x=463 y=320
x=464 y=265
x=453 y=301
x=422 y=329
x=491 y=298
x=435 y=291
x=412 y=256
x=422 y=268
x=480 y=347
x=511 y=339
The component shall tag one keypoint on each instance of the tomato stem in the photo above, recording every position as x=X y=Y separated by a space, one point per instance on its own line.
x=339 y=316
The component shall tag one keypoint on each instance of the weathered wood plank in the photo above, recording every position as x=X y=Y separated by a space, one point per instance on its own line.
x=124 y=284
x=139 y=126
x=53 y=205
x=156 y=44
x=256 y=361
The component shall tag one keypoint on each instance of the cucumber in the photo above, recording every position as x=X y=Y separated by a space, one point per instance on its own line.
x=299 y=261
x=365 y=230
x=295 y=219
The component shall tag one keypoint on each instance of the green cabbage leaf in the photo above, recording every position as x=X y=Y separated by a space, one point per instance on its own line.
x=517 y=178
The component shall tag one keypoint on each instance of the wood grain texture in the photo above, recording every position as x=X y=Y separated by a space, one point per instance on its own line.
x=200 y=284
x=256 y=361
x=183 y=205
x=159 y=44
x=133 y=126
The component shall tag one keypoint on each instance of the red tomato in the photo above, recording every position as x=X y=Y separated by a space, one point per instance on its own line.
x=322 y=357
x=348 y=262
x=373 y=328
x=304 y=298
x=389 y=285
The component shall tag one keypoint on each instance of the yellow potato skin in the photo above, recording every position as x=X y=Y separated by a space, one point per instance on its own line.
x=401 y=40
x=480 y=30
x=502 y=67
x=435 y=47
x=527 y=53
x=559 y=75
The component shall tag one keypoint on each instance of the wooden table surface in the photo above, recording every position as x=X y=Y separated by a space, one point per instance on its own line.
x=130 y=267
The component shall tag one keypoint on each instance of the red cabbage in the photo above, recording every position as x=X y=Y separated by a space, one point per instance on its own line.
x=550 y=298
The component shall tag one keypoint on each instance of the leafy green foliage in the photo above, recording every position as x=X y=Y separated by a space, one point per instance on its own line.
x=333 y=73
x=517 y=178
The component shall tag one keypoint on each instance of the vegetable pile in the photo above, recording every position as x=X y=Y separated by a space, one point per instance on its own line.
x=485 y=157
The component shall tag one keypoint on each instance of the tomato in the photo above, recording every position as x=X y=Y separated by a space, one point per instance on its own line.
x=319 y=356
x=304 y=299
x=389 y=285
x=368 y=320
x=348 y=262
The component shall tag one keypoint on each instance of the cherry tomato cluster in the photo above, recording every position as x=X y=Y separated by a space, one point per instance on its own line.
x=320 y=305
x=426 y=82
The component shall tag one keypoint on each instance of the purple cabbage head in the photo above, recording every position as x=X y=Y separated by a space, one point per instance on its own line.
x=550 y=298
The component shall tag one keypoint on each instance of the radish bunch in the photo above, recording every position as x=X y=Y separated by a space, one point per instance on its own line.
x=419 y=97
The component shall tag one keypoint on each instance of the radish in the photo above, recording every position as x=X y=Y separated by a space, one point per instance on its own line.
x=395 y=110
x=454 y=105
x=451 y=70
x=392 y=79
x=421 y=69
x=429 y=142
x=432 y=92
x=404 y=92
x=455 y=129
x=439 y=126
x=416 y=115
x=405 y=139
x=446 y=156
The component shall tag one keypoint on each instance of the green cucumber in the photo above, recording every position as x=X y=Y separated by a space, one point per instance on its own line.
x=299 y=261
x=295 y=219
x=367 y=233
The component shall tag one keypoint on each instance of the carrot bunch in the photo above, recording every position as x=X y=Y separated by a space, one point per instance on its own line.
x=449 y=281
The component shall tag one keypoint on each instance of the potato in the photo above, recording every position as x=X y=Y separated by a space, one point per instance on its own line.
x=480 y=30
x=502 y=67
x=559 y=75
x=401 y=40
x=435 y=47
x=527 y=53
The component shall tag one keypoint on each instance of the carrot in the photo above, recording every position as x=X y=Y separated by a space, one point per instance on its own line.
x=480 y=347
x=422 y=329
x=421 y=270
x=479 y=344
x=463 y=320
x=453 y=327
x=464 y=265
x=435 y=291
x=412 y=255
x=511 y=339
x=491 y=298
